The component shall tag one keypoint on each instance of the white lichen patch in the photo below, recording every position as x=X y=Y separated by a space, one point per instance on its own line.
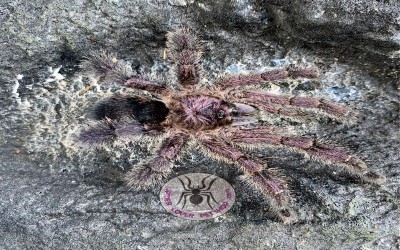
x=56 y=109
x=22 y=104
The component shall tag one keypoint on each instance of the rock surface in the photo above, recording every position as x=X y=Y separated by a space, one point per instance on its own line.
x=56 y=194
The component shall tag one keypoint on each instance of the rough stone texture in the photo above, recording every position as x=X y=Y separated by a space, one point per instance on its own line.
x=56 y=194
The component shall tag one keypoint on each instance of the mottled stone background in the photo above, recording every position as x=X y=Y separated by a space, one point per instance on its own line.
x=55 y=194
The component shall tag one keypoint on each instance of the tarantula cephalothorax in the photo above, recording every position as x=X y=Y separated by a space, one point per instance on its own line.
x=220 y=120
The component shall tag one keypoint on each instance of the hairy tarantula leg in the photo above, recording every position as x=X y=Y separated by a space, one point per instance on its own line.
x=100 y=63
x=150 y=173
x=328 y=107
x=271 y=75
x=264 y=180
x=151 y=86
x=185 y=50
x=107 y=66
x=278 y=202
x=107 y=131
x=289 y=112
x=309 y=146
x=116 y=70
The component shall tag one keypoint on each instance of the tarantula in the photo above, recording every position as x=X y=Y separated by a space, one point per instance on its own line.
x=221 y=120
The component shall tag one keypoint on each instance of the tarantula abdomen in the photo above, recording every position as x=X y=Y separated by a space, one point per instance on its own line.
x=141 y=109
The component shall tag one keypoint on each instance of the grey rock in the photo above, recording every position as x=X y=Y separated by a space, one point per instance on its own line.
x=56 y=194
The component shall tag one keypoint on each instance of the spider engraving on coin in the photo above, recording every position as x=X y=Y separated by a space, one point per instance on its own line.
x=221 y=121
x=196 y=194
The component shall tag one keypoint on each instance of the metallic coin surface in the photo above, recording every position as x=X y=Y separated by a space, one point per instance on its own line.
x=197 y=196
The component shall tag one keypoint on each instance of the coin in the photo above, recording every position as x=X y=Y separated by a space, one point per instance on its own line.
x=197 y=196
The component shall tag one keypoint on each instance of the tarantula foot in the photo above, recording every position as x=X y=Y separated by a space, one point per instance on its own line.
x=98 y=62
x=107 y=66
x=143 y=177
x=374 y=178
x=287 y=215
x=302 y=73
x=360 y=169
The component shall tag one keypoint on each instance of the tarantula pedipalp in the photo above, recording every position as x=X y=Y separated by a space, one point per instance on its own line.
x=221 y=119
